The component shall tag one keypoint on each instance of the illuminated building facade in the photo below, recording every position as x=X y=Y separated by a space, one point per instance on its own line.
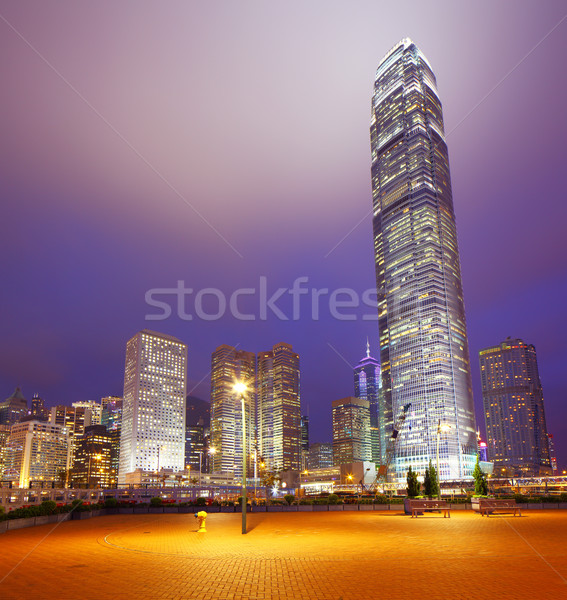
x=351 y=430
x=152 y=435
x=512 y=397
x=14 y=408
x=39 y=412
x=197 y=430
x=94 y=407
x=38 y=453
x=423 y=340
x=92 y=463
x=229 y=365
x=320 y=456
x=279 y=412
x=368 y=386
x=111 y=413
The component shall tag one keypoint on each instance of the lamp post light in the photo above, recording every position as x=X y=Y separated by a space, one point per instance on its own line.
x=441 y=428
x=240 y=388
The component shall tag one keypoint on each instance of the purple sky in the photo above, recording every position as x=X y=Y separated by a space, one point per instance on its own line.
x=257 y=114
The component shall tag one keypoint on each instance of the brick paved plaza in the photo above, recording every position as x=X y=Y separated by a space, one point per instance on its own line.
x=328 y=556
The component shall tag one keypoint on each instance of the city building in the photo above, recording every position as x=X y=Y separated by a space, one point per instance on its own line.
x=94 y=407
x=74 y=418
x=153 y=410
x=197 y=427
x=228 y=366
x=38 y=454
x=320 y=456
x=4 y=435
x=421 y=316
x=14 y=408
x=39 y=412
x=279 y=412
x=512 y=396
x=351 y=430
x=111 y=412
x=368 y=386
x=92 y=463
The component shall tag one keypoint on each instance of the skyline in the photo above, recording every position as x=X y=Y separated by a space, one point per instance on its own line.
x=92 y=227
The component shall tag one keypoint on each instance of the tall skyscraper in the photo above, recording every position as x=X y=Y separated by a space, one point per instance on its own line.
x=368 y=386
x=93 y=406
x=39 y=412
x=92 y=463
x=423 y=340
x=513 y=409
x=351 y=430
x=14 y=408
x=111 y=413
x=230 y=365
x=197 y=428
x=152 y=436
x=279 y=412
x=304 y=424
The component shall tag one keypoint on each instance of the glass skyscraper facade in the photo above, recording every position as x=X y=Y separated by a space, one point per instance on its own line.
x=513 y=409
x=423 y=341
x=368 y=386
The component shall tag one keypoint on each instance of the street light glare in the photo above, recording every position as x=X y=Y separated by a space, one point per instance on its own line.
x=240 y=387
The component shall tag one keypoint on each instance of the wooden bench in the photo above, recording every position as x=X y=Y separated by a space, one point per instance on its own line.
x=418 y=507
x=487 y=506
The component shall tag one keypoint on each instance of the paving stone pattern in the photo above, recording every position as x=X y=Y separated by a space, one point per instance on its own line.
x=290 y=556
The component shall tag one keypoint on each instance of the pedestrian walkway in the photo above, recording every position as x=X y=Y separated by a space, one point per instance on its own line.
x=290 y=556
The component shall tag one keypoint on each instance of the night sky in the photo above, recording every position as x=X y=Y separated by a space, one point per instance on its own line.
x=218 y=143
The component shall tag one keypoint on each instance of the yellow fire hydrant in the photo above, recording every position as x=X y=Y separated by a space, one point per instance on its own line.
x=202 y=516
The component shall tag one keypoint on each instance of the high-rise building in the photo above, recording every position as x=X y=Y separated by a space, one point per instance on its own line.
x=39 y=411
x=153 y=411
x=38 y=453
x=4 y=435
x=229 y=365
x=512 y=397
x=111 y=413
x=74 y=418
x=14 y=408
x=320 y=456
x=197 y=426
x=423 y=340
x=351 y=430
x=368 y=386
x=279 y=412
x=92 y=463
x=93 y=406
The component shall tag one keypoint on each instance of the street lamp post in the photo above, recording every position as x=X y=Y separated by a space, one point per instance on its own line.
x=240 y=388
x=440 y=428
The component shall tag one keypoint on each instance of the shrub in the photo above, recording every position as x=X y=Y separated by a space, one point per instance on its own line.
x=289 y=498
x=111 y=503
x=333 y=499
x=203 y=501
x=306 y=501
x=48 y=507
x=156 y=501
x=381 y=499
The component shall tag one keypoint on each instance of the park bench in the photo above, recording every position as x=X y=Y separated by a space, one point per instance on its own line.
x=487 y=506
x=418 y=507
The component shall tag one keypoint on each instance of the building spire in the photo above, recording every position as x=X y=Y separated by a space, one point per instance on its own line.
x=367 y=348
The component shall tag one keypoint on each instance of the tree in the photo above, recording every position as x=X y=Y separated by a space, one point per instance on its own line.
x=431 y=483
x=480 y=483
x=413 y=484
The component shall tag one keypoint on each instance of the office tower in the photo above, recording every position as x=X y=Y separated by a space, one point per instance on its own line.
x=111 y=413
x=92 y=463
x=229 y=365
x=38 y=453
x=197 y=426
x=153 y=409
x=513 y=409
x=14 y=408
x=39 y=412
x=552 y=455
x=320 y=456
x=74 y=419
x=368 y=386
x=423 y=340
x=279 y=413
x=351 y=430
x=94 y=407
x=4 y=435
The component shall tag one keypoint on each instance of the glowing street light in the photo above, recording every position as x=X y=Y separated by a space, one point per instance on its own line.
x=241 y=388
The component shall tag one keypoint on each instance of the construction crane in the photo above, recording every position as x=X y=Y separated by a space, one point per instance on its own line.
x=382 y=474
